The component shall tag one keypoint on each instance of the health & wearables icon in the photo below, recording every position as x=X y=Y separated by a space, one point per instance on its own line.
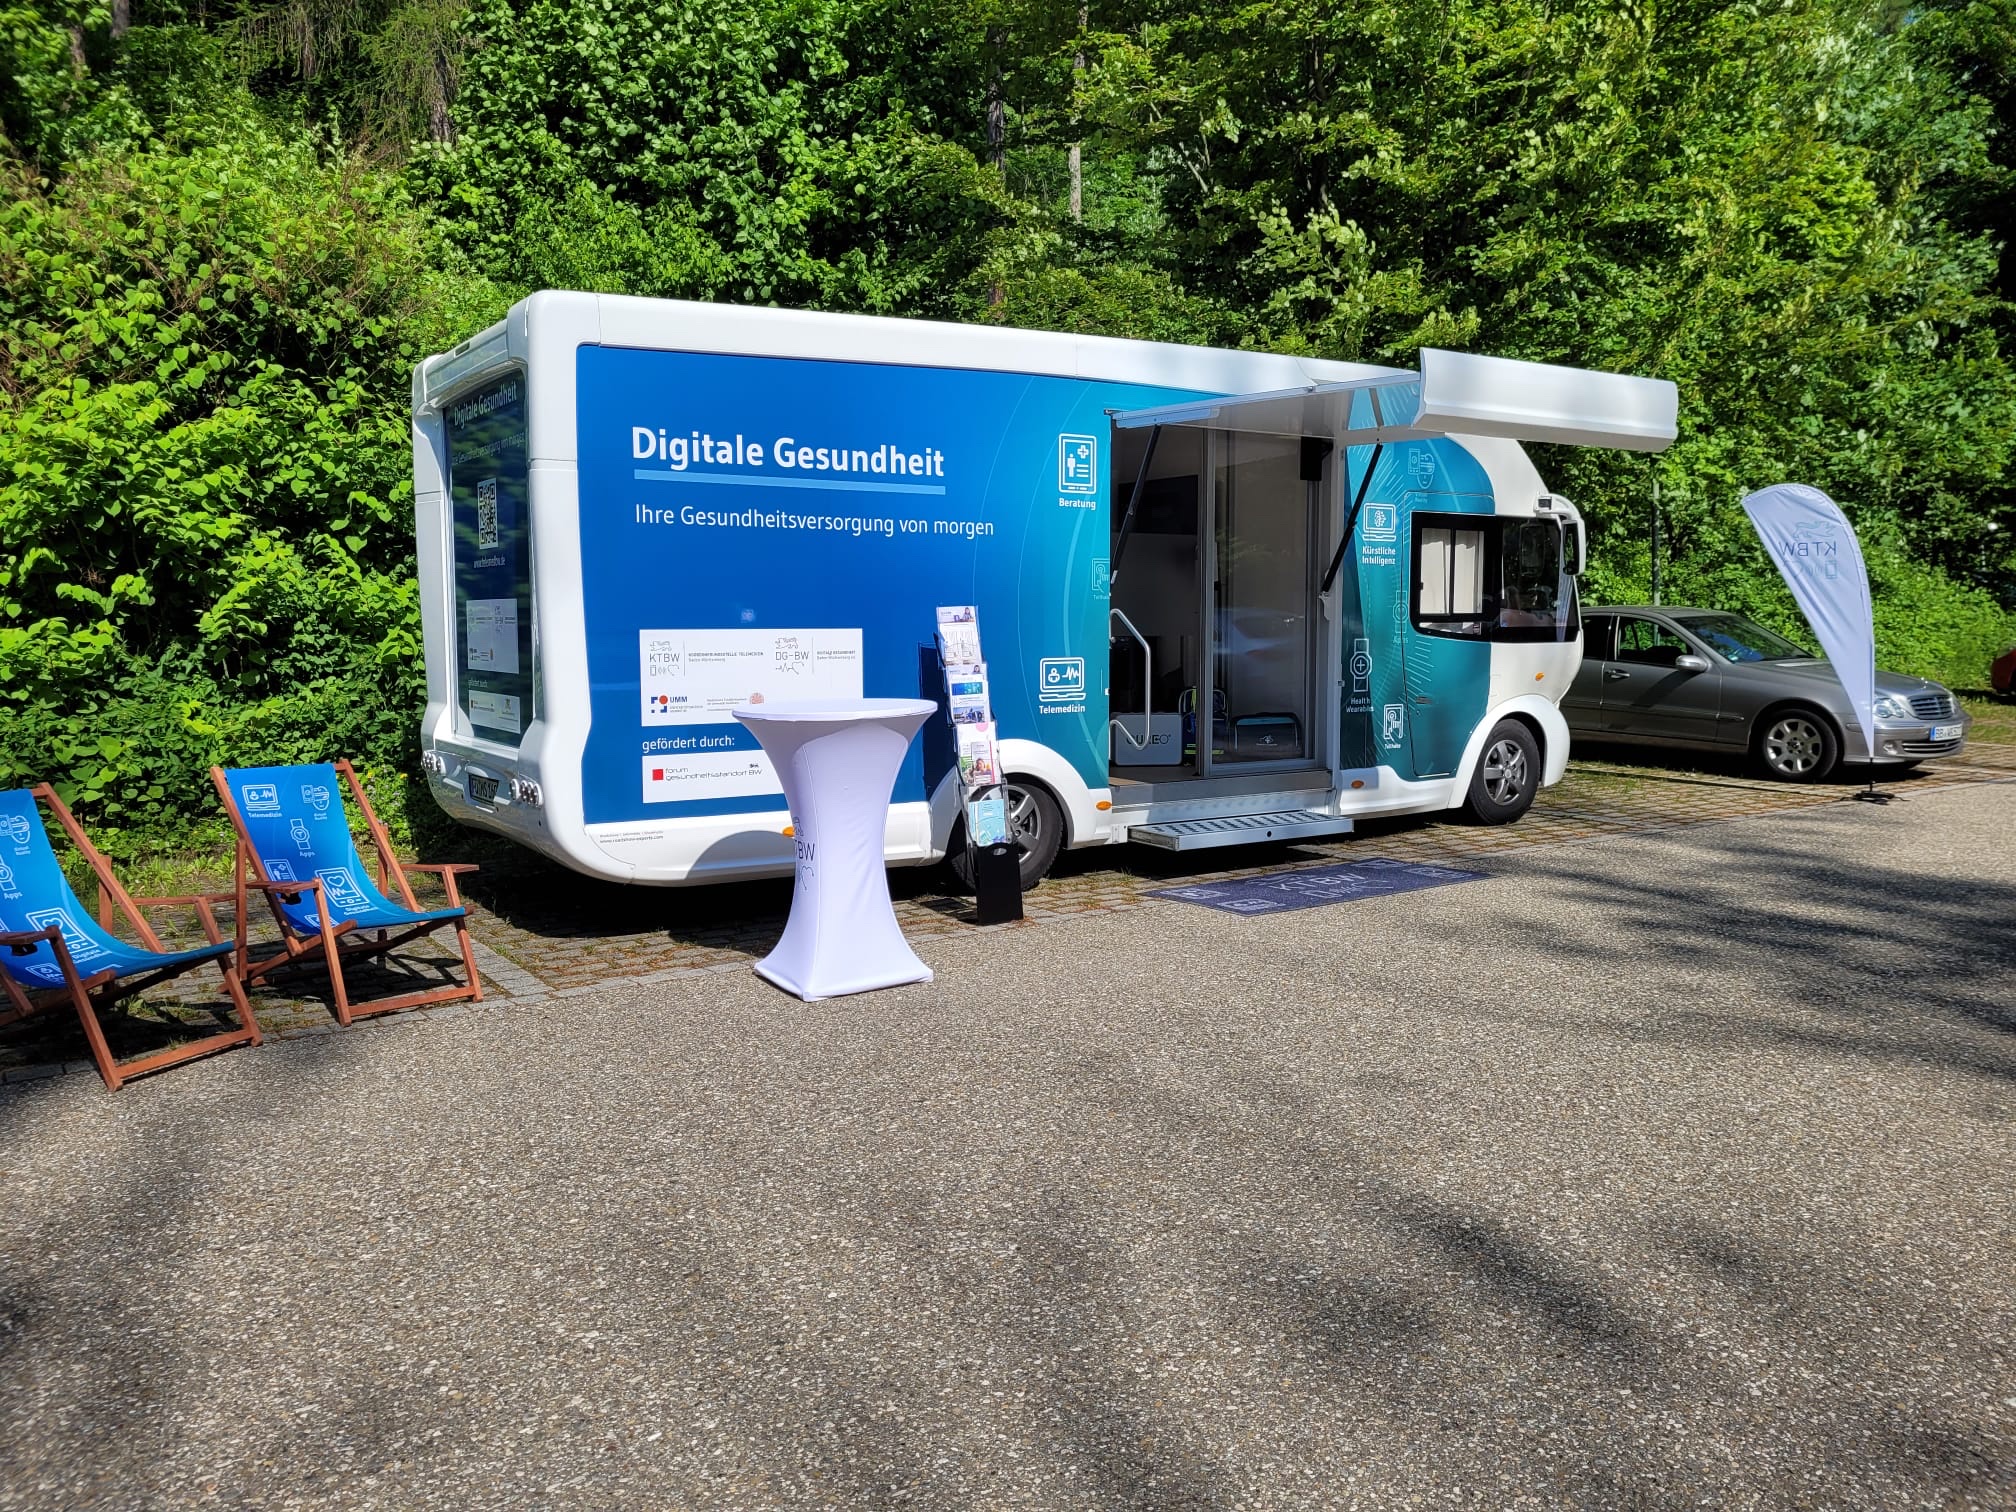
x=1361 y=665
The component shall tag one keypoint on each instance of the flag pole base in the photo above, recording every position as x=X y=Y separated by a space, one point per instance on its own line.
x=1870 y=795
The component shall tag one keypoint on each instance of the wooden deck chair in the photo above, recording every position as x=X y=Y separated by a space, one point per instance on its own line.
x=52 y=951
x=295 y=845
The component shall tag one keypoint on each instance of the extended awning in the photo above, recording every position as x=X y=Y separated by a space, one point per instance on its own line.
x=1455 y=393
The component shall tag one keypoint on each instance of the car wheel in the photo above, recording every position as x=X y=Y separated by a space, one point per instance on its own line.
x=1037 y=824
x=1507 y=776
x=1797 y=745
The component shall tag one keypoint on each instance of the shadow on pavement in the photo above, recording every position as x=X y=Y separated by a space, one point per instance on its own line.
x=1907 y=948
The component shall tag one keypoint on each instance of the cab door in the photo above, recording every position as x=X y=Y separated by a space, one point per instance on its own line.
x=1648 y=693
x=1582 y=707
x=1448 y=657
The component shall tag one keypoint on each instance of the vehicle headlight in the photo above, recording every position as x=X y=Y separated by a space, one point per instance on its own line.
x=1890 y=706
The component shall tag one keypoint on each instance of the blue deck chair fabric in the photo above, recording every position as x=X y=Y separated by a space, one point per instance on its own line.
x=35 y=895
x=294 y=816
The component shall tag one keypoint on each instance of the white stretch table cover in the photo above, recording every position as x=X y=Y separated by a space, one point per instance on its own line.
x=838 y=761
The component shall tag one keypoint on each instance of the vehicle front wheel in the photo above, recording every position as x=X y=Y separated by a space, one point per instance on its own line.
x=1037 y=823
x=1797 y=745
x=1507 y=775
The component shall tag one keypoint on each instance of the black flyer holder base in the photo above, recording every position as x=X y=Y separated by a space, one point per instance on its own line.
x=997 y=883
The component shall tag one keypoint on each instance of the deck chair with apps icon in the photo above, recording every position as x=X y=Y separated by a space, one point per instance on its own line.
x=295 y=846
x=53 y=951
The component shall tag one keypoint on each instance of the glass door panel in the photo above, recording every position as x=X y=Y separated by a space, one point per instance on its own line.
x=1156 y=639
x=1262 y=594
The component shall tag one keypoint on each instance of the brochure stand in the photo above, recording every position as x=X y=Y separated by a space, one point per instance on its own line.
x=997 y=862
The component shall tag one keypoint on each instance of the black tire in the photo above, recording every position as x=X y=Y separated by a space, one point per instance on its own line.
x=1038 y=823
x=1796 y=744
x=1507 y=776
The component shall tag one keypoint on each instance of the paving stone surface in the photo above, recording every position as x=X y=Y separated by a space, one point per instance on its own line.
x=543 y=932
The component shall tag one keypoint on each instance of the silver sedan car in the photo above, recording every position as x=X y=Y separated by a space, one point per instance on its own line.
x=1708 y=680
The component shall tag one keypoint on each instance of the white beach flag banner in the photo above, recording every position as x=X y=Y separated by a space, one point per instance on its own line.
x=1821 y=561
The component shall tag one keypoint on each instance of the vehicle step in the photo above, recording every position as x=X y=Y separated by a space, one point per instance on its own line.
x=1238 y=829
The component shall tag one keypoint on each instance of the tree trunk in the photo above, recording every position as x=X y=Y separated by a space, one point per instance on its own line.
x=122 y=17
x=439 y=126
x=997 y=131
x=1077 y=156
x=997 y=108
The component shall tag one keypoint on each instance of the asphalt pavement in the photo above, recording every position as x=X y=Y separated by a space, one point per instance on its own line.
x=1656 y=1171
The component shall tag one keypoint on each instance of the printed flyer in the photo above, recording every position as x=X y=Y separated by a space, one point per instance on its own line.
x=958 y=635
x=967 y=689
x=987 y=820
x=977 y=765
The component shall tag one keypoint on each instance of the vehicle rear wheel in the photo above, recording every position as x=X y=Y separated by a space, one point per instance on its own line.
x=1797 y=745
x=1507 y=776
x=1037 y=823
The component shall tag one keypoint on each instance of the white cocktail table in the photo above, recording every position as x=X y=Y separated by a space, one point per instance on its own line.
x=837 y=760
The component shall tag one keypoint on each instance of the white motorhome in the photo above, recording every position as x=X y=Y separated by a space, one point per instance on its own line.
x=1223 y=596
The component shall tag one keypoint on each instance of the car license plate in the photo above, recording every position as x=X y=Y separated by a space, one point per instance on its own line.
x=483 y=789
x=1943 y=732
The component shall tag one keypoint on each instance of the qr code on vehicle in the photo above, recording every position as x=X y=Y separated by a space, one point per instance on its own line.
x=487 y=534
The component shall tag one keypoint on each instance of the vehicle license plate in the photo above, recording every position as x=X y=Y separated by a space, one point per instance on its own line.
x=483 y=789
x=1943 y=732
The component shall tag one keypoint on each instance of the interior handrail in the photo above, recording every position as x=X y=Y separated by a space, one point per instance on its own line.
x=1147 y=685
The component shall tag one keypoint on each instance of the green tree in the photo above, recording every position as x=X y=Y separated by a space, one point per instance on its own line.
x=205 y=538
x=719 y=150
x=1752 y=203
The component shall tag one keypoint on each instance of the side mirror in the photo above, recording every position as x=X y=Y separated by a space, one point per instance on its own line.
x=1574 y=534
x=1690 y=663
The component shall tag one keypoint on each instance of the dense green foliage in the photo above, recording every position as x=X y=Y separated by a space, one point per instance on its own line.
x=226 y=233
x=204 y=471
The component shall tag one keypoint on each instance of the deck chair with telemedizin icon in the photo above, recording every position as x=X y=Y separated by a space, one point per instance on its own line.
x=52 y=950
x=295 y=846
